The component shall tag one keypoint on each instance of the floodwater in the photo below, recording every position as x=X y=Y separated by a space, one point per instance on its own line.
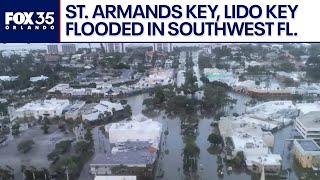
x=172 y=162
x=171 y=159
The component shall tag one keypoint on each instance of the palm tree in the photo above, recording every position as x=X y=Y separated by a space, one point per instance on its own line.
x=190 y=155
x=6 y=173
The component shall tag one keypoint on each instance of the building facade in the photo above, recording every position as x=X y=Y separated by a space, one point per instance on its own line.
x=308 y=125
x=42 y=108
x=307 y=152
x=115 y=47
x=68 y=48
x=21 y=53
x=135 y=146
x=52 y=49
x=73 y=112
x=135 y=131
x=163 y=47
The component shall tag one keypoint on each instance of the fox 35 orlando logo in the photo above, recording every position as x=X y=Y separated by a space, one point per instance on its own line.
x=29 y=21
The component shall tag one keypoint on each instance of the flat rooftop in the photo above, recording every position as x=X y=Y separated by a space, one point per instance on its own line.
x=269 y=159
x=60 y=87
x=45 y=105
x=308 y=145
x=76 y=106
x=110 y=75
x=88 y=108
x=144 y=126
x=253 y=121
x=308 y=107
x=241 y=140
x=271 y=107
x=128 y=153
x=311 y=119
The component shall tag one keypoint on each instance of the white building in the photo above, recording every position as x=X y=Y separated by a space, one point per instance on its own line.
x=115 y=47
x=42 y=108
x=73 y=111
x=247 y=84
x=270 y=162
x=92 y=112
x=295 y=76
x=207 y=50
x=253 y=142
x=308 y=125
x=251 y=119
x=252 y=63
x=112 y=106
x=63 y=88
x=307 y=89
x=3 y=100
x=278 y=112
x=38 y=78
x=101 y=88
x=163 y=47
x=22 y=53
x=52 y=49
x=8 y=78
x=308 y=107
x=76 y=57
x=7 y=53
x=68 y=48
x=168 y=64
x=134 y=144
x=304 y=58
x=248 y=138
x=157 y=76
x=139 y=129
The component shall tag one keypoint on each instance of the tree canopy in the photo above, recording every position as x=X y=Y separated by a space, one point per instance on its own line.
x=313 y=67
x=215 y=139
x=25 y=146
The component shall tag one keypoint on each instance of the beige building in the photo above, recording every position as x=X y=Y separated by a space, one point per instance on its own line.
x=307 y=152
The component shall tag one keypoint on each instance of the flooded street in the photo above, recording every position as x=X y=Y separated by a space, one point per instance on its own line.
x=171 y=160
x=196 y=70
x=181 y=70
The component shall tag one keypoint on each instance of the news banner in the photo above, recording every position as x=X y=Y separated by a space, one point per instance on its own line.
x=159 y=89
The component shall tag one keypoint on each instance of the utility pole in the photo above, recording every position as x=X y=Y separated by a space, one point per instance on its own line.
x=67 y=173
x=99 y=140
